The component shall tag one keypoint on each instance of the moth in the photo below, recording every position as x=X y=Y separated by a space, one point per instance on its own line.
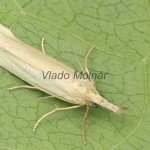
x=28 y=64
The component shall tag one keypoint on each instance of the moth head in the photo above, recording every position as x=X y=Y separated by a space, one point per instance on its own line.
x=99 y=100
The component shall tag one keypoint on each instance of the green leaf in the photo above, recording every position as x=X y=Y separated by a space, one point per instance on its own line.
x=121 y=32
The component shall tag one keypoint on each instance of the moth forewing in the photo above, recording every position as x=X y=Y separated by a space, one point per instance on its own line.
x=67 y=91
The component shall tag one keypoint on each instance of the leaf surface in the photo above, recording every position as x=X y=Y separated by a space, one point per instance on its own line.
x=121 y=32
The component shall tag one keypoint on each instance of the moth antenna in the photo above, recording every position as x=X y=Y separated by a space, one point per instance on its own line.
x=86 y=62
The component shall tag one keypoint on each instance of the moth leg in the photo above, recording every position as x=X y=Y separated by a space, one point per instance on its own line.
x=53 y=111
x=23 y=86
x=42 y=46
x=84 y=122
x=86 y=62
